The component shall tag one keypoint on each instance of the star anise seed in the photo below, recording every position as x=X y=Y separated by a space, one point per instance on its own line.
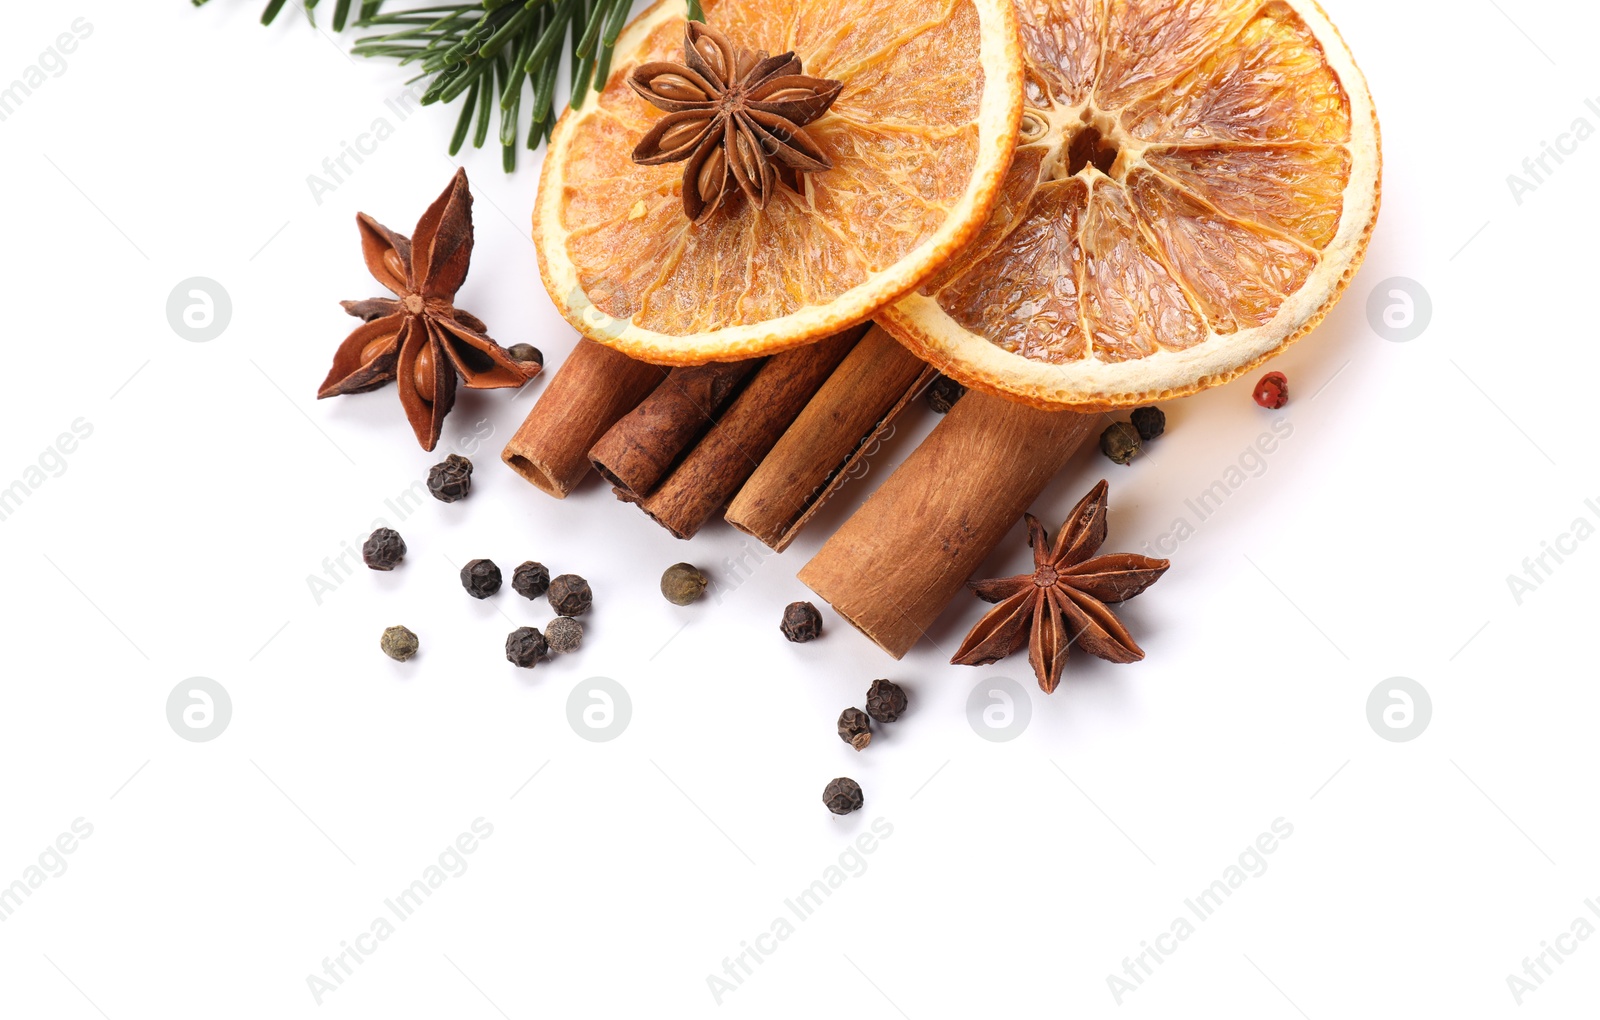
x=741 y=130
x=1063 y=601
x=419 y=337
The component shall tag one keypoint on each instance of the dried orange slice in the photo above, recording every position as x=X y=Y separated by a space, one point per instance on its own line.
x=1194 y=185
x=919 y=137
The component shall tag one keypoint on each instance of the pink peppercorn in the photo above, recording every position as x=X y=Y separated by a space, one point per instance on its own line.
x=1272 y=391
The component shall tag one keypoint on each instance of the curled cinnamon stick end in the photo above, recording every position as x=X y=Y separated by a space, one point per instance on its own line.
x=642 y=447
x=719 y=463
x=817 y=454
x=593 y=388
x=894 y=566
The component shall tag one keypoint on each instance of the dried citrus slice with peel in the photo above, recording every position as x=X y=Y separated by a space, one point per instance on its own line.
x=1194 y=185
x=919 y=137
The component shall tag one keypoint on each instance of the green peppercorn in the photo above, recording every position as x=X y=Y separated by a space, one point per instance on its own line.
x=886 y=700
x=1120 y=441
x=855 y=728
x=383 y=549
x=801 y=622
x=570 y=595
x=525 y=352
x=1150 y=422
x=683 y=583
x=843 y=796
x=450 y=479
x=525 y=646
x=530 y=580
x=563 y=635
x=398 y=643
x=481 y=578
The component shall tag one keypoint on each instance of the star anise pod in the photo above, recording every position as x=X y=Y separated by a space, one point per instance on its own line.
x=735 y=116
x=419 y=337
x=1063 y=601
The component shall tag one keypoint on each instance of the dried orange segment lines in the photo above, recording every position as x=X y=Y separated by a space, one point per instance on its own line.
x=1195 y=183
x=919 y=137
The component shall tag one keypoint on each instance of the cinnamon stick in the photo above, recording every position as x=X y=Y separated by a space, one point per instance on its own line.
x=593 y=388
x=718 y=465
x=642 y=447
x=894 y=566
x=816 y=454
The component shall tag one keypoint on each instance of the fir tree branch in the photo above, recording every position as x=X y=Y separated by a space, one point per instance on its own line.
x=490 y=54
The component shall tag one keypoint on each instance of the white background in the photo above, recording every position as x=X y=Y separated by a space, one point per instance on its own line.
x=179 y=539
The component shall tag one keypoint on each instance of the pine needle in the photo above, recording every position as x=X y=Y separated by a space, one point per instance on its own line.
x=490 y=53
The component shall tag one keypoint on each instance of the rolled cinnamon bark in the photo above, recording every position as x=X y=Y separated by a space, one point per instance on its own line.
x=644 y=445
x=730 y=451
x=592 y=389
x=816 y=454
x=894 y=566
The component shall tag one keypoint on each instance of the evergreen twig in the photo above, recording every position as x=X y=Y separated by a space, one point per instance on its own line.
x=490 y=54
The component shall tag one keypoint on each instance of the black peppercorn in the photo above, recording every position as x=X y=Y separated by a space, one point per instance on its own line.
x=383 y=549
x=481 y=578
x=563 y=635
x=683 y=583
x=450 y=479
x=530 y=580
x=525 y=646
x=1120 y=441
x=1149 y=422
x=398 y=643
x=843 y=796
x=886 y=700
x=570 y=595
x=855 y=728
x=525 y=352
x=943 y=393
x=801 y=622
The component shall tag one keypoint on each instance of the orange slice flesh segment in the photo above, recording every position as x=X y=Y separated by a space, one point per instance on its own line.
x=920 y=137
x=1195 y=183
